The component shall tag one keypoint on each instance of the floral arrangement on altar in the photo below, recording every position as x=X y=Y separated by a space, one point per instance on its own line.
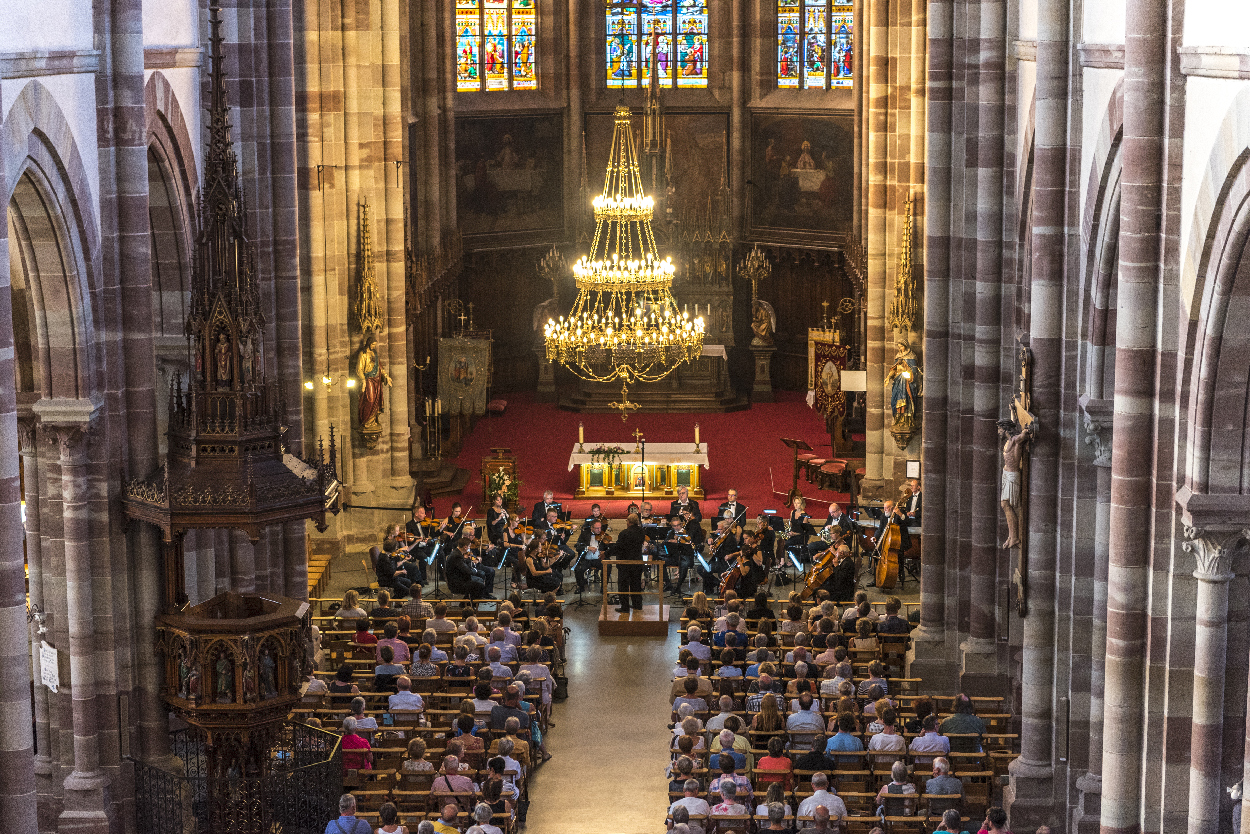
x=607 y=455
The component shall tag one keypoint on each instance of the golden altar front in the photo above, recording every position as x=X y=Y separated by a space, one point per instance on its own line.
x=631 y=474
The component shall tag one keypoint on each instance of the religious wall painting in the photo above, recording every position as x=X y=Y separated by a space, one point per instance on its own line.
x=694 y=144
x=802 y=176
x=509 y=175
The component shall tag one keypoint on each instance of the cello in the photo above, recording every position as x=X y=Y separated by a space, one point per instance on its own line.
x=822 y=569
x=889 y=552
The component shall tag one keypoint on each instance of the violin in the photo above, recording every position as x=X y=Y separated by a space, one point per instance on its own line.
x=561 y=525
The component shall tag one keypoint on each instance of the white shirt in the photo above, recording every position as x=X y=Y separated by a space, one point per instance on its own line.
x=695 y=806
x=837 y=808
x=883 y=743
x=405 y=700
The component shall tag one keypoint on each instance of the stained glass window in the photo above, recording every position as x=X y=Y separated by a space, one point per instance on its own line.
x=495 y=45
x=673 y=31
x=815 y=44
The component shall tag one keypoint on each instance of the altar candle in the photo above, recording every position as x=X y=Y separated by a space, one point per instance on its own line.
x=696 y=434
x=438 y=408
x=581 y=432
x=427 y=408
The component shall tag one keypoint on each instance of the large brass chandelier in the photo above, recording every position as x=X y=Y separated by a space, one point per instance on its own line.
x=624 y=324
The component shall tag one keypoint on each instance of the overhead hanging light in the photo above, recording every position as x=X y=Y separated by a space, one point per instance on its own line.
x=624 y=324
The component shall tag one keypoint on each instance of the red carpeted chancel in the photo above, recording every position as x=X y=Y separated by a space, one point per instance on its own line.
x=742 y=447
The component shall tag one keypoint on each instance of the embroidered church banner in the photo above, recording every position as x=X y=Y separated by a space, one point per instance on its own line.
x=463 y=375
x=826 y=362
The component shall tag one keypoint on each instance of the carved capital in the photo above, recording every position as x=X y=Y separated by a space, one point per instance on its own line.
x=27 y=436
x=1097 y=417
x=72 y=441
x=1213 y=551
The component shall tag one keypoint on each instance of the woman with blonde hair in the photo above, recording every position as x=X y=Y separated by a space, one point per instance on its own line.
x=768 y=719
x=416 y=763
x=350 y=609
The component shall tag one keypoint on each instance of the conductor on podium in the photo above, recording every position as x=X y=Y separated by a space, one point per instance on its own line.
x=629 y=546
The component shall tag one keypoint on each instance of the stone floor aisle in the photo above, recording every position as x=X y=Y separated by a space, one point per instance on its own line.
x=609 y=743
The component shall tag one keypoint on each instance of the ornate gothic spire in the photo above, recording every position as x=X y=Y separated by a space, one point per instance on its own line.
x=224 y=322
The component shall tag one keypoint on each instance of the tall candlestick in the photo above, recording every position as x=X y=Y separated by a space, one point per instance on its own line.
x=696 y=434
x=581 y=432
x=427 y=408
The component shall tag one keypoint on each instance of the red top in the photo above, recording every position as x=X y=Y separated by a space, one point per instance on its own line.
x=355 y=760
x=780 y=767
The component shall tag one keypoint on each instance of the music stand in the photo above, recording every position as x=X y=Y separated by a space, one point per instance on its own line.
x=797 y=446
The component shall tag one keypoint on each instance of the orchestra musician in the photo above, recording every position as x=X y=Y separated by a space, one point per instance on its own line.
x=590 y=546
x=737 y=512
x=800 y=528
x=540 y=509
x=420 y=530
x=453 y=526
x=839 y=526
x=890 y=513
x=395 y=569
x=687 y=508
x=512 y=542
x=596 y=513
x=558 y=534
x=750 y=565
x=765 y=537
x=496 y=520
x=679 y=551
x=728 y=544
x=465 y=576
x=841 y=583
x=629 y=577
x=645 y=516
x=542 y=565
x=911 y=507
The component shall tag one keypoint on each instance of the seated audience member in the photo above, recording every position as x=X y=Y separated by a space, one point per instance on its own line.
x=897 y=798
x=963 y=721
x=701 y=651
x=416 y=608
x=422 y=667
x=446 y=822
x=440 y=623
x=820 y=823
x=467 y=733
x=482 y=816
x=995 y=821
x=430 y=636
x=350 y=609
x=891 y=622
x=822 y=797
x=815 y=758
x=943 y=783
x=383 y=610
x=449 y=779
x=852 y=612
x=769 y=719
x=845 y=740
x=729 y=804
x=875 y=672
x=775 y=794
x=387 y=670
x=930 y=741
x=520 y=747
x=459 y=666
x=416 y=763
x=507 y=650
x=357 y=752
x=681 y=771
x=775 y=767
x=808 y=718
x=727 y=668
x=342 y=690
x=923 y=707
x=717 y=722
x=776 y=813
x=497 y=669
x=399 y=648
x=793 y=623
x=693 y=804
x=703 y=690
x=363 y=636
x=887 y=740
x=864 y=639
x=729 y=776
x=510 y=707
x=363 y=722
x=952 y=822
x=696 y=703
x=767 y=689
x=723 y=744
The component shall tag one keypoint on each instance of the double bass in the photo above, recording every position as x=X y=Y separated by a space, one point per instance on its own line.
x=889 y=554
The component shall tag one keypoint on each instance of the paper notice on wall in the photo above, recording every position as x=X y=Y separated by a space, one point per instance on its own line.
x=49 y=667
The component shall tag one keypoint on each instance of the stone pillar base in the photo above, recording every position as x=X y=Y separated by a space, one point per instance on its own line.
x=928 y=659
x=762 y=390
x=978 y=665
x=1086 y=815
x=1029 y=796
x=546 y=377
x=86 y=804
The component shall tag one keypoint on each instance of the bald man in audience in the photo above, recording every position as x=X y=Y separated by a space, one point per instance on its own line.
x=820 y=822
x=693 y=804
x=717 y=722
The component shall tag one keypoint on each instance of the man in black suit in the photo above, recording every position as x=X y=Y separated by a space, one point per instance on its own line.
x=685 y=506
x=738 y=512
x=911 y=508
x=540 y=509
x=590 y=552
x=629 y=577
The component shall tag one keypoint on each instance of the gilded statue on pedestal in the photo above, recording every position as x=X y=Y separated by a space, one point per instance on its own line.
x=763 y=322
x=905 y=383
x=373 y=380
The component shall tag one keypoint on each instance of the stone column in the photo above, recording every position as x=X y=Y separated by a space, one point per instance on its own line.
x=737 y=121
x=929 y=639
x=1089 y=784
x=1135 y=392
x=878 y=92
x=1214 y=554
x=1030 y=794
x=17 y=788
x=28 y=432
x=86 y=802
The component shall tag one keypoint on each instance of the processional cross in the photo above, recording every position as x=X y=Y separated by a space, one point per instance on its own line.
x=624 y=405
